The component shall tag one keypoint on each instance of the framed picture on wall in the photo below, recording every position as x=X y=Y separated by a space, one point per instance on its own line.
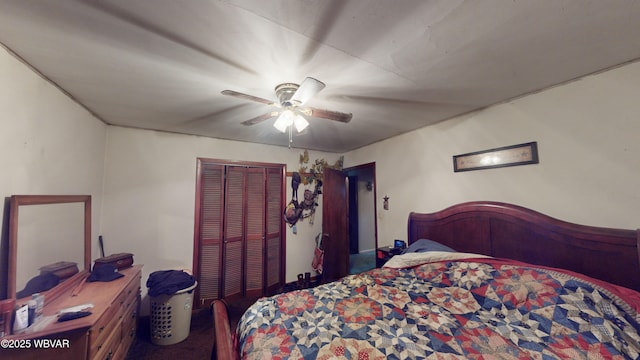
x=521 y=154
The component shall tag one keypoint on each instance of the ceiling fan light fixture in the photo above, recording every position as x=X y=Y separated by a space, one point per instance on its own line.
x=284 y=120
x=300 y=122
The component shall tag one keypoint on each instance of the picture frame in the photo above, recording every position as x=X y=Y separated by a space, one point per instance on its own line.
x=513 y=155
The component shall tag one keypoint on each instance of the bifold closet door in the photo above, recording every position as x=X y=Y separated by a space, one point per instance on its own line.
x=274 y=266
x=244 y=232
x=234 y=223
x=239 y=231
x=254 y=268
x=209 y=233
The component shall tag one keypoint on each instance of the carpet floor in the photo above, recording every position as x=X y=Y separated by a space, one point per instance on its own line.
x=362 y=262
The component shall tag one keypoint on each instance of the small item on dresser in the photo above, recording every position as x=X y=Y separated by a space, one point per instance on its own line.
x=76 y=290
x=81 y=307
x=120 y=260
x=73 y=315
x=106 y=272
x=61 y=269
x=32 y=311
x=21 y=320
x=39 y=299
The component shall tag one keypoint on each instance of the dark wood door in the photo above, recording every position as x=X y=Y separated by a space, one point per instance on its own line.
x=335 y=228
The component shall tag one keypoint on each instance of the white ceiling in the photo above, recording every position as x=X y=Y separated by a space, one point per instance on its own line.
x=396 y=65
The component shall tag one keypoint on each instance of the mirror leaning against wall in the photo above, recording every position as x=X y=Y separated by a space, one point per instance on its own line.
x=49 y=244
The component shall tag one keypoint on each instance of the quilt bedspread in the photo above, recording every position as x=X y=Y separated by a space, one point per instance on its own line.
x=462 y=309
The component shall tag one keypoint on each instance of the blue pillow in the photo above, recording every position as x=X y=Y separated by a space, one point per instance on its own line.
x=424 y=245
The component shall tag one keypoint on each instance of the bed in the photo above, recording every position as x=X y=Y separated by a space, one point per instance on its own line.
x=519 y=284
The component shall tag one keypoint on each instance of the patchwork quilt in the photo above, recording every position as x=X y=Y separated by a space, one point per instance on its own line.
x=461 y=309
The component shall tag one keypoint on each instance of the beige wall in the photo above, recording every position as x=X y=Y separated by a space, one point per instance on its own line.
x=588 y=137
x=48 y=144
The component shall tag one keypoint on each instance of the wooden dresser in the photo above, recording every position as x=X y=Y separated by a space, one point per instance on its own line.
x=105 y=334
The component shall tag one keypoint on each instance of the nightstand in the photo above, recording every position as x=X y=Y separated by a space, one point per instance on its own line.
x=383 y=254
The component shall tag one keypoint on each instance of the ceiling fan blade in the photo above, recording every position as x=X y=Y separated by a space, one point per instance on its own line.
x=308 y=89
x=261 y=118
x=328 y=114
x=247 y=97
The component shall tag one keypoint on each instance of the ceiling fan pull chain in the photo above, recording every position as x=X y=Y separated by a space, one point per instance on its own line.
x=290 y=135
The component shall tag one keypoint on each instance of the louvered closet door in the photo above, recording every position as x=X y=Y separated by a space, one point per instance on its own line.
x=274 y=241
x=233 y=233
x=211 y=200
x=239 y=231
x=254 y=264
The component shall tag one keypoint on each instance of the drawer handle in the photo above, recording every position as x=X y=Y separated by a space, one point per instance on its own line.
x=101 y=329
x=109 y=355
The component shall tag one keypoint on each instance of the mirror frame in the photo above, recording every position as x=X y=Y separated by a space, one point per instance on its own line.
x=26 y=200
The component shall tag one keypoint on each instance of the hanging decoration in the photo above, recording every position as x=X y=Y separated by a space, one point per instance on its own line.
x=312 y=172
x=308 y=174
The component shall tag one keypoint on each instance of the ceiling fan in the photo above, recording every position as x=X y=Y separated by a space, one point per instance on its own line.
x=291 y=109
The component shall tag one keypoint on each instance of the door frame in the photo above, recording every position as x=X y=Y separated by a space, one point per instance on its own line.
x=355 y=171
x=334 y=230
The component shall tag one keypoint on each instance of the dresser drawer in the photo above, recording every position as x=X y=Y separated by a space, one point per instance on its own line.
x=130 y=323
x=131 y=294
x=130 y=317
x=104 y=328
x=108 y=348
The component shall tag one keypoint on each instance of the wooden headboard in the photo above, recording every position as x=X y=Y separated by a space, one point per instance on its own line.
x=510 y=231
